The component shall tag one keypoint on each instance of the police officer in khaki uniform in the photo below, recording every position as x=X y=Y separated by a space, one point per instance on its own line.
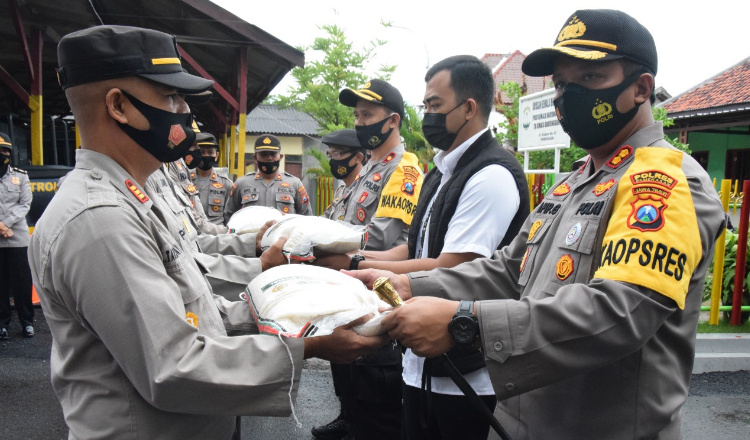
x=187 y=192
x=125 y=299
x=213 y=188
x=587 y=319
x=15 y=277
x=268 y=186
x=345 y=158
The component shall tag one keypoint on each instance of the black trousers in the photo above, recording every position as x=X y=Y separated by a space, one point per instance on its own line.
x=451 y=417
x=15 y=280
x=370 y=394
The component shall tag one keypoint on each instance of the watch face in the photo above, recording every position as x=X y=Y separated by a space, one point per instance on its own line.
x=463 y=329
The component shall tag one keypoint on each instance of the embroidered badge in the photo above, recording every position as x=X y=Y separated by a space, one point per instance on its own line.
x=285 y=210
x=284 y=184
x=302 y=191
x=143 y=198
x=574 y=234
x=217 y=200
x=622 y=154
x=286 y=198
x=534 y=228
x=254 y=196
x=651 y=188
x=561 y=190
x=564 y=267
x=389 y=157
x=213 y=176
x=216 y=208
x=191 y=188
x=375 y=177
x=191 y=319
x=361 y=215
x=217 y=185
x=363 y=197
x=411 y=175
x=15 y=180
x=305 y=200
x=603 y=187
x=278 y=176
x=176 y=135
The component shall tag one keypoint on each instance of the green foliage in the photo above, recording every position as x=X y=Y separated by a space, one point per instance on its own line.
x=508 y=129
x=325 y=168
x=411 y=132
x=730 y=265
x=723 y=327
x=660 y=114
x=319 y=82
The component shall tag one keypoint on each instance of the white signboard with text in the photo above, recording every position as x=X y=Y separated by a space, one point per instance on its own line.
x=539 y=129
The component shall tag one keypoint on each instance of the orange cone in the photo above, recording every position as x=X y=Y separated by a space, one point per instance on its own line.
x=34 y=297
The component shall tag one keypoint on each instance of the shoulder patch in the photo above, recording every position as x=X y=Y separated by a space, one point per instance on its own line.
x=143 y=198
x=389 y=157
x=652 y=238
x=561 y=190
x=399 y=195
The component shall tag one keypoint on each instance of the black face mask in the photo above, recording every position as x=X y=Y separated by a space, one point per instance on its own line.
x=435 y=131
x=590 y=117
x=206 y=163
x=192 y=158
x=269 y=167
x=169 y=135
x=4 y=164
x=340 y=168
x=370 y=136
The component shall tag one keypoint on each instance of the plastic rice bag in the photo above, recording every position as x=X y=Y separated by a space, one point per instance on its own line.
x=252 y=218
x=308 y=235
x=298 y=300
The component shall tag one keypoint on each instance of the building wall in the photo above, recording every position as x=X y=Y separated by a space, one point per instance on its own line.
x=717 y=144
x=290 y=145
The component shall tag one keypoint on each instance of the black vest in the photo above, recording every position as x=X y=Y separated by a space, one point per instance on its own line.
x=483 y=152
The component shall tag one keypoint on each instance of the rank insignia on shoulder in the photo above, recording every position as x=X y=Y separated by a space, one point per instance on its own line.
x=389 y=157
x=623 y=153
x=143 y=198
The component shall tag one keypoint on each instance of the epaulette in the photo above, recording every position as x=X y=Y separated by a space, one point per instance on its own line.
x=20 y=170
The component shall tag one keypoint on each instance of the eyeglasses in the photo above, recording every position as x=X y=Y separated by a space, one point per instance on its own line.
x=337 y=154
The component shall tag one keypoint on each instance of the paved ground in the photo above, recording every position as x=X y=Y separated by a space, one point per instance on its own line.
x=718 y=407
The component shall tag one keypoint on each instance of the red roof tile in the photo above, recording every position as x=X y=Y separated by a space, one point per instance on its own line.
x=730 y=87
x=510 y=70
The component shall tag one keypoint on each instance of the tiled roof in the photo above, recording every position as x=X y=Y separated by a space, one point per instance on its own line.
x=274 y=120
x=510 y=70
x=728 y=90
x=492 y=60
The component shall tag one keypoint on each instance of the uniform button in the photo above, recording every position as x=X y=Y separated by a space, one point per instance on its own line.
x=510 y=386
x=96 y=175
x=497 y=346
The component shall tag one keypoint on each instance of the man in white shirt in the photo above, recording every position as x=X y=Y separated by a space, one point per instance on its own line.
x=473 y=202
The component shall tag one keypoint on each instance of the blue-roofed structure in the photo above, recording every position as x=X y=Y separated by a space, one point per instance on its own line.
x=271 y=119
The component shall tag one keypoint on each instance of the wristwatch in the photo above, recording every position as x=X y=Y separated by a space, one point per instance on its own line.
x=354 y=265
x=464 y=327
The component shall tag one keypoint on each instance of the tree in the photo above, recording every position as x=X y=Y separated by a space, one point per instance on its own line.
x=319 y=82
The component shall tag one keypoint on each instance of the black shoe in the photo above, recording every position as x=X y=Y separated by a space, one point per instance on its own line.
x=334 y=430
x=3 y=333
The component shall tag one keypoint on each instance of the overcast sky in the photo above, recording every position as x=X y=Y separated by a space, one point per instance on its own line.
x=694 y=40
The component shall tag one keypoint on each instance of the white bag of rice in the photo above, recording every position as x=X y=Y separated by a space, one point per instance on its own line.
x=308 y=235
x=298 y=300
x=252 y=218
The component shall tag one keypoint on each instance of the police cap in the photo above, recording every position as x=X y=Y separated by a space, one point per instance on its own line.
x=596 y=35
x=5 y=141
x=346 y=138
x=377 y=91
x=267 y=142
x=105 y=52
